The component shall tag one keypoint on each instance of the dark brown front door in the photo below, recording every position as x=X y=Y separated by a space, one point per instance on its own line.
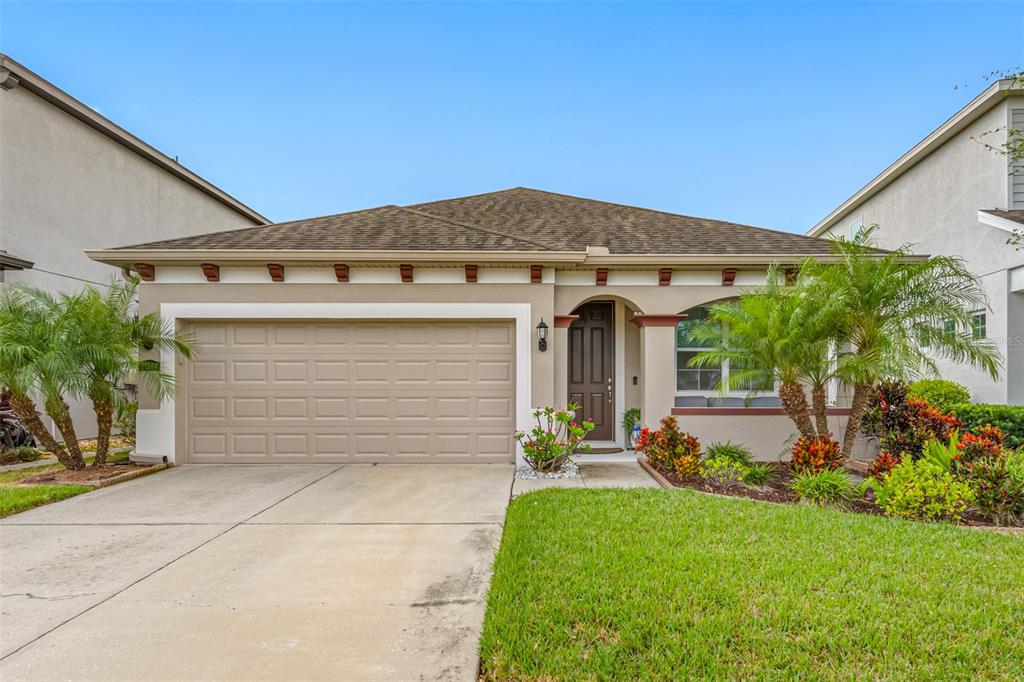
x=592 y=367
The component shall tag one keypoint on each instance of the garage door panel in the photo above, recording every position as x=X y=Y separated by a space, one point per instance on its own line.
x=352 y=391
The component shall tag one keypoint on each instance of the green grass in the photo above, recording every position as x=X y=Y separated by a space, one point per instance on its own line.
x=14 y=500
x=671 y=584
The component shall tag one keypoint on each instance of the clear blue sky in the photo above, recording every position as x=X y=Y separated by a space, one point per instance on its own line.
x=769 y=114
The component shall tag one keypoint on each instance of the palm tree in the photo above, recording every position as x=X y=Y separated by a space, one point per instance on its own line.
x=772 y=335
x=106 y=339
x=893 y=314
x=35 y=360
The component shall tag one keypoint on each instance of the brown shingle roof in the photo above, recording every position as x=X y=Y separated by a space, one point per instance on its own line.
x=1015 y=216
x=517 y=219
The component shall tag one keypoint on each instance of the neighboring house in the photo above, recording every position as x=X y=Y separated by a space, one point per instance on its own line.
x=70 y=179
x=415 y=333
x=953 y=195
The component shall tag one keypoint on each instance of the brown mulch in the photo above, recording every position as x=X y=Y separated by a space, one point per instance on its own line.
x=91 y=474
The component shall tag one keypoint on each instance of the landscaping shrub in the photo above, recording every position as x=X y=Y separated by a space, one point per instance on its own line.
x=941 y=393
x=22 y=453
x=827 y=488
x=882 y=465
x=732 y=451
x=1007 y=418
x=555 y=439
x=816 y=454
x=987 y=443
x=919 y=489
x=903 y=424
x=998 y=490
x=722 y=473
x=758 y=474
x=670 y=449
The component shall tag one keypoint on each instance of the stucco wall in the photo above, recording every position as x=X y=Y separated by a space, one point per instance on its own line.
x=65 y=187
x=934 y=206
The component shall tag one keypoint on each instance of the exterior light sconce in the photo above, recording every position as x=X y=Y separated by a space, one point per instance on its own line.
x=542 y=336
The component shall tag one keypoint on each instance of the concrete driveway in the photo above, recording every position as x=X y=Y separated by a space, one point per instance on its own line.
x=355 y=572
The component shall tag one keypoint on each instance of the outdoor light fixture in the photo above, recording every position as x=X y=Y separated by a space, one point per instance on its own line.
x=542 y=336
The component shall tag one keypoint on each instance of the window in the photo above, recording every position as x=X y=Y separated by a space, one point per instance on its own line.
x=979 y=325
x=688 y=378
x=704 y=379
x=949 y=329
x=856 y=227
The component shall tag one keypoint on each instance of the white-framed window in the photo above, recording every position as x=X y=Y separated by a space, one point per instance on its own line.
x=703 y=380
x=979 y=325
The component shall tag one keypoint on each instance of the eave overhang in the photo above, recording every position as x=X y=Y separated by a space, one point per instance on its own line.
x=9 y=262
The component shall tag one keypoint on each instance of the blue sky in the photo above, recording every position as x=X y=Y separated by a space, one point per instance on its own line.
x=767 y=113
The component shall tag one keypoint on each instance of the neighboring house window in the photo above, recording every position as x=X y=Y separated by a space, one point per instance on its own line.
x=856 y=227
x=949 y=329
x=1015 y=136
x=704 y=379
x=979 y=325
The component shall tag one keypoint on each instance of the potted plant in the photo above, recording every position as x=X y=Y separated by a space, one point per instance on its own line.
x=555 y=439
x=630 y=420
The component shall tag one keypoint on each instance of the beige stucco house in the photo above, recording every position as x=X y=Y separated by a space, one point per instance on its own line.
x=71 y=179
x=954 y=194
x=414 y=333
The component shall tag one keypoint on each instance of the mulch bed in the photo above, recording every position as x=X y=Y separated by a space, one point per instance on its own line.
x=776 y=490
x=91 y=475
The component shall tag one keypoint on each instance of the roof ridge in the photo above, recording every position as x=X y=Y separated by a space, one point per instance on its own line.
x=474 y=227
x=260 y=227
x=668 y=213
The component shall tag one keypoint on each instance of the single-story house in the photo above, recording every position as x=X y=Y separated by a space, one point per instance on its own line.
x=429 y=332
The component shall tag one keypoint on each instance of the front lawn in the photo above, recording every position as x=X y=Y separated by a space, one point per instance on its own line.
x=672 y=584
x=16 y=496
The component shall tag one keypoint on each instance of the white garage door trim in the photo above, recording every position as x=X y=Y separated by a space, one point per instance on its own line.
x=156 y=428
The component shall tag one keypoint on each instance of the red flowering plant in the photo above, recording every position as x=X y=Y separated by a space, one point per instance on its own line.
x=813 y=455
x=555 y=439
x=669 y=449
x=987 y=443
x=882 y=465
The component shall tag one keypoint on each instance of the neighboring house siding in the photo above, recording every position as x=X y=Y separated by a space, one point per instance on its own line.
x=933 y=206
x=65 y=188
x=1017 y=176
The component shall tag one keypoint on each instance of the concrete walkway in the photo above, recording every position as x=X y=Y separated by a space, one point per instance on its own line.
x=255 y=572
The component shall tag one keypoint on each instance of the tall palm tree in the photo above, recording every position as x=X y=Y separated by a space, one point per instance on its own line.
x=894 y=314
x=772 y=335
x=36 y=361
x=106 y=339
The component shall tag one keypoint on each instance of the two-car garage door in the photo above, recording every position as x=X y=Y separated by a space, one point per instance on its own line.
x=333 y=391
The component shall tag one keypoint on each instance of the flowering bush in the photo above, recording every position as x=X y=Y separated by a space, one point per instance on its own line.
x=555 y=439
x=903 y=424
x=816 y=454
x=670 y=449
x=882 y=465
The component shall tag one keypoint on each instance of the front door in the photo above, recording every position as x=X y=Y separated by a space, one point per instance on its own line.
x=592 y=367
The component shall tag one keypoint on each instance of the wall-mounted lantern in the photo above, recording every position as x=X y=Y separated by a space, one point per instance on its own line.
x=542 y=336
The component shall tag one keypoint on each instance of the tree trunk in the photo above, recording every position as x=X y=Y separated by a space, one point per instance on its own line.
x=104 y=418
x=861 y=394
x=61 y=416
x=819 y=401
x=26 y=411
x=794 y=403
